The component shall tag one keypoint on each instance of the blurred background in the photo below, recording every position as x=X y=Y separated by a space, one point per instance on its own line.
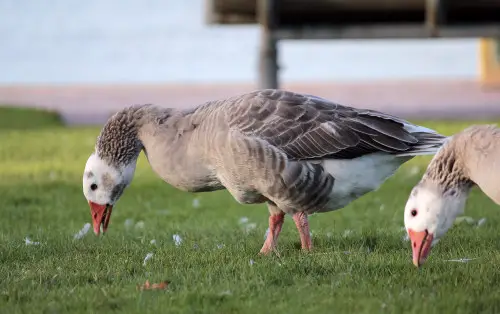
x=86 y=59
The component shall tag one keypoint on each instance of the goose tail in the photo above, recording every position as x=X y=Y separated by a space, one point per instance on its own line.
x=429 y=141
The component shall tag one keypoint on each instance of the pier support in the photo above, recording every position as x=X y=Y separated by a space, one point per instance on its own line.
x=489 y=51
x=268 y=54
x=435 y=15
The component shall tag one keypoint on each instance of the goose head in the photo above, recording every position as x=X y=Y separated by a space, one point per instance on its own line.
x=103 y=185
x=429 y=213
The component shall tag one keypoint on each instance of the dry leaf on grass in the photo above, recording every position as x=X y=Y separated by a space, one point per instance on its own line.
x=156 y=286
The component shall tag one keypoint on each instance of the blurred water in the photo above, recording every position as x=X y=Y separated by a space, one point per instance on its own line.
x=110 y=41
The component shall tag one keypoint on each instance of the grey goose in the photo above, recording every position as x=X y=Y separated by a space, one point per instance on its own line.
x=299 y=154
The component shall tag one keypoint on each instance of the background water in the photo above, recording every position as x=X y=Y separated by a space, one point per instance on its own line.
x=167 y=41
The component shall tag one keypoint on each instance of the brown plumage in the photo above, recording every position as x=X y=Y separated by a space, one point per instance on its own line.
x=470 y=156
x=301 y=154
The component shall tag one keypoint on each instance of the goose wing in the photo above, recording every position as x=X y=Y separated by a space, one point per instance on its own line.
x=309 y=127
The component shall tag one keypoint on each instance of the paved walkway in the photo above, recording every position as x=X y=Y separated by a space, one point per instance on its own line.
x=408 y=99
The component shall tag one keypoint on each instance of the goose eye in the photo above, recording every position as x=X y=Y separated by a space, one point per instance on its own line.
x=414 y=212
x=93 y=186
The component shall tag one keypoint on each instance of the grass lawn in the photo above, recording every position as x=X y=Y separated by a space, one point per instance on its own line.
x=360 y=264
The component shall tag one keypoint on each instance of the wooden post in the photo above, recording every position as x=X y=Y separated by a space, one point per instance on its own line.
x=490 y=62
x=268 y=54
x=435 y=15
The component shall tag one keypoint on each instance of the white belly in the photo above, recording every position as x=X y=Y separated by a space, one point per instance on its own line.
x=356 y=177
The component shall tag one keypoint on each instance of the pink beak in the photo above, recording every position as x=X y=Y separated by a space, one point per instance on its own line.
x=421 y=242
x=100 y=215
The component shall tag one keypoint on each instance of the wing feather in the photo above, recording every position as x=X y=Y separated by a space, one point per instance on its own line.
x=308 y=127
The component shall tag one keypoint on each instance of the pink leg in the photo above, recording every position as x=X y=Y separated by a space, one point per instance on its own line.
x=302 y=224
x=275 y=224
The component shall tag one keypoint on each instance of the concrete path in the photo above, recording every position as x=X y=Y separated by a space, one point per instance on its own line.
x=408 y=99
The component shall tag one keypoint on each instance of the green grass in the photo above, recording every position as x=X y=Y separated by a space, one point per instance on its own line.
x=27 y=118
x=368 y=270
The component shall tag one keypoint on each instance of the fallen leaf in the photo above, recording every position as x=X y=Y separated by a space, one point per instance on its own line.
x=156 y=286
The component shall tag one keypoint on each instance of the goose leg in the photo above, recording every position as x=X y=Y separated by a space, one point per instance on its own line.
x=302 y=224
x=276 y=220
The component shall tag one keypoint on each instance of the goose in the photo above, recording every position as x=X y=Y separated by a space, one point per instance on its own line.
x=298 y=153
x=467 y=159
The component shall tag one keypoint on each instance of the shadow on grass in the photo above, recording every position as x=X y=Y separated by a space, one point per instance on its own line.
x=15 y=118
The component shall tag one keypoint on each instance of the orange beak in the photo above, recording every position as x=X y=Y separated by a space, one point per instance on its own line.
x=421 y=245
x=100 y=215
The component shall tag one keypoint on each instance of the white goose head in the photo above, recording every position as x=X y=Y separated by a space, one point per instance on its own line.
x=429 y=212
x=110 y=169
x=103 y=185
